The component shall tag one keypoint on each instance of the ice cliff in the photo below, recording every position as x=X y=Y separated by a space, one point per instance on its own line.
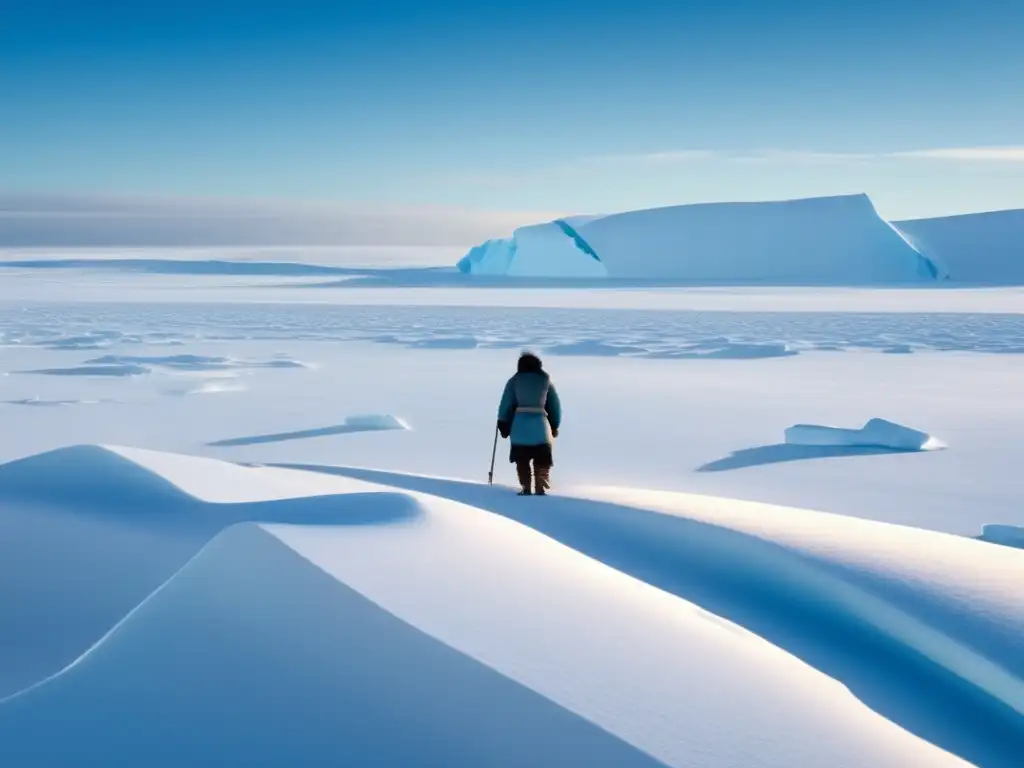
x=828 y=240
x=985 y=248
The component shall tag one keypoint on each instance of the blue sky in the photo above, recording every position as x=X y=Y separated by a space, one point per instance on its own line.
x=552 y=106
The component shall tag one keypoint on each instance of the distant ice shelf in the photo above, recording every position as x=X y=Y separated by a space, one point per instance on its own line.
x=1007 y=535
x=823 y=241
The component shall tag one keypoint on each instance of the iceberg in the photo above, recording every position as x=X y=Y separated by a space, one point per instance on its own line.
x=985 y=248
x=553 y=249
x=877 y=433
x=828 y=240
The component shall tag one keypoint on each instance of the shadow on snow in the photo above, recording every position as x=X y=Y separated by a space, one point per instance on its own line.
x=303 y=434
x=785 y=452
x=709 y=566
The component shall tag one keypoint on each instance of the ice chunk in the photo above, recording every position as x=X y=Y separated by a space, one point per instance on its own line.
x=372 y=421
x=877 y=433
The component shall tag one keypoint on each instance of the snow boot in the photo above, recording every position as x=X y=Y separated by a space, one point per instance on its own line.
x=525 y=478
x=543 y=480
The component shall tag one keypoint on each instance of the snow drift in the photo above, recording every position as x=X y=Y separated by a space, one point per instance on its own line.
x=877 y=433
x=88 y=532
x=832 y=240
x=986 y=248
x=253 y=656
x=949 y=598
x=923 y=626
x=447 y=637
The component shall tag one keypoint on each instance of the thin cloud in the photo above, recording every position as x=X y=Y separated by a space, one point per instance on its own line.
x=967 y=154
x=799 y=156
x=813 y=157
x=683 y=156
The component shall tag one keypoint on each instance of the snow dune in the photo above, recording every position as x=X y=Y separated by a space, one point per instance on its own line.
x=321 y=619
x=925 y=627
x=87 y=533
x=253 y=656
x=951 y=599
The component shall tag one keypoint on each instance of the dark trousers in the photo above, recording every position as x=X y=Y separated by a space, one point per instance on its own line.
x=535 y=478
x=533 y=466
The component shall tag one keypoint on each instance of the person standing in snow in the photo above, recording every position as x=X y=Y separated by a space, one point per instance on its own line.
x=530 y=414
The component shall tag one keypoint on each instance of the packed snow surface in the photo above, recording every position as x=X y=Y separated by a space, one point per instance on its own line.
x=877 y=433
x=835 y=240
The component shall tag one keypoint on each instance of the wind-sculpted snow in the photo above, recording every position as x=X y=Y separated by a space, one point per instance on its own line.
x=253 y=656
x=662 y=334
x=448 y=636
x=924 y=627
x=86 y=533
x=949 y=598
x=978 y=248
x=834 y=240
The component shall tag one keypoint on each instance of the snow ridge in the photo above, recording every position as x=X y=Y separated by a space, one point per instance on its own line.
x=354 y=661
x=272 y=642
x=810 y=581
